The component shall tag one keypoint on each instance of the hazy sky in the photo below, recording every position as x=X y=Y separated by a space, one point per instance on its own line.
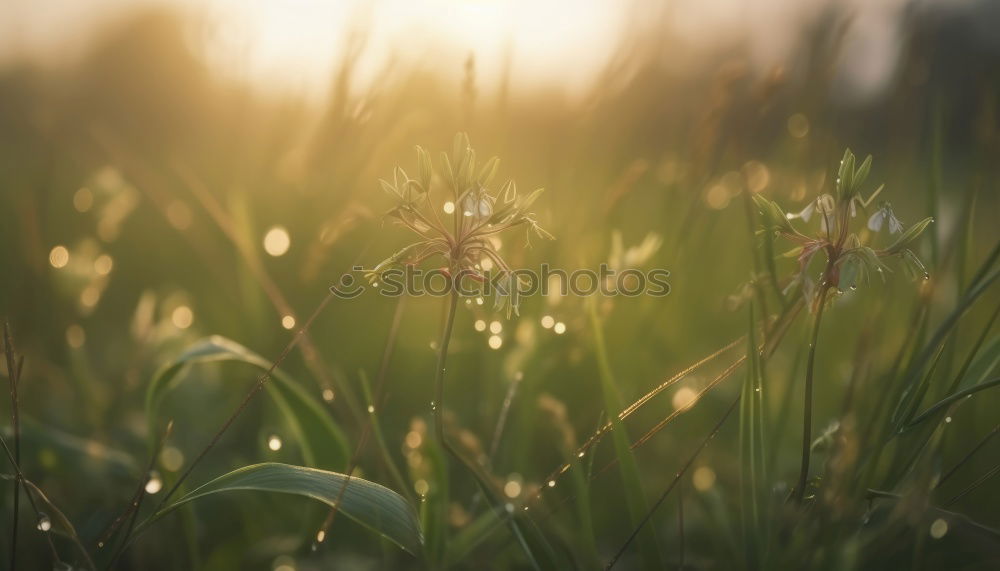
x=293 y=43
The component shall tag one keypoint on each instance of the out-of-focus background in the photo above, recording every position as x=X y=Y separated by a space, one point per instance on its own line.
x=172 y=170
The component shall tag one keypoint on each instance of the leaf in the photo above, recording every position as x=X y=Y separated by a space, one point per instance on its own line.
x=952 y=399
x=845 y=175
x=372 y=505
x=83 y=456
x=911 y=234
x=389 y=188
x=488 y=171
x=850 y=271
x=773 y=216
x=323 y=444
x=861 y=174
x=425 y=170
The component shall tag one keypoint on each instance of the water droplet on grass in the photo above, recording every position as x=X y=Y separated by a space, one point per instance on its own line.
x=44 y=523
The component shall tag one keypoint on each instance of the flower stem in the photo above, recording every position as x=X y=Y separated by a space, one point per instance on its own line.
x=437 y=406
x=807 y=404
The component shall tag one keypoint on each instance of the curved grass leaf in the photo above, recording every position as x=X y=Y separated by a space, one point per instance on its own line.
x=374 y=506
x=323 y=444
x=941 y=405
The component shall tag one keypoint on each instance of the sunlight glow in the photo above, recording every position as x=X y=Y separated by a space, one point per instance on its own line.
x=512 y=489
x=75 y=336
x=421 y=487
x=103 y=264
x=685 y=397
x=296 y=43
x=277 y=241
x=171 y=458
x=704 y=478
x=83 y=199
x=59 y=257
x=182 y=317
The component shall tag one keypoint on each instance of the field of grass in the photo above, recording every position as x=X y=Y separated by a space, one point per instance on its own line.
x=815 y=392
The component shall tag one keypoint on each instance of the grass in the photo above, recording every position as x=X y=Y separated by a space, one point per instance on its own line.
x=744 y=421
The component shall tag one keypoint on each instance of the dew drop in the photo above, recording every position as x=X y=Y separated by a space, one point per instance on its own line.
x=154 y=484
x=552 y=483
x=580 y=454
x=371 y=409
x=274 y=443
x=44 y=523
x=939 y=528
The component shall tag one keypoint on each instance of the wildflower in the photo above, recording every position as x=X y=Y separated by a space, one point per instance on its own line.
x=469 y=243
x=881 y=216
x=847 y=256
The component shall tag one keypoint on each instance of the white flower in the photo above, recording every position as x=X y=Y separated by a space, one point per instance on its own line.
x=883 y=214
x=805 y=214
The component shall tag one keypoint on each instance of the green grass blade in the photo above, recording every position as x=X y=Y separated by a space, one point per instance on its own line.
x=635 y=498
x=753 y=480
x=374 y=506
x=323 y=443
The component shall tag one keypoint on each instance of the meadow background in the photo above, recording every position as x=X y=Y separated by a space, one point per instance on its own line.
x=139 y=178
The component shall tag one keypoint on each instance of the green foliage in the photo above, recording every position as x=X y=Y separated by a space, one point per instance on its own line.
x=323 y=443
x=136 y=192
x=376 y=507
